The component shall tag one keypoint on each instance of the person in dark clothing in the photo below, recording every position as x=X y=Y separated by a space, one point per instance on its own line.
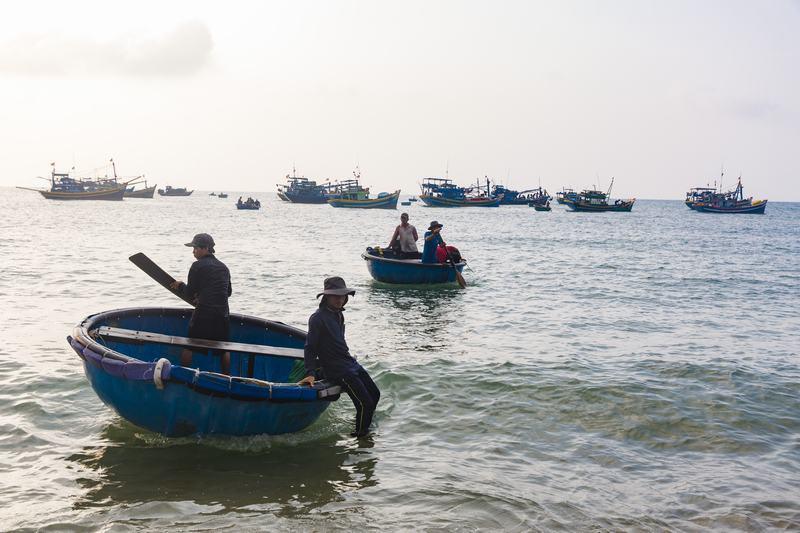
x=327 y=355
x=208 y=286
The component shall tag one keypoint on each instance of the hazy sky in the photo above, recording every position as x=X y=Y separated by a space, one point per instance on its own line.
x=229 y=95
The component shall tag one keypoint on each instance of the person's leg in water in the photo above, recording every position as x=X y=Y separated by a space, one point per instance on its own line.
x=365 y=396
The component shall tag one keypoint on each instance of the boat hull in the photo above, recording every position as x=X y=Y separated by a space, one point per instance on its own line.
x=387 y=202
x=199 y=402
x=163 y=192
x=248 y=207
x=756 y=208
x=104 y=194
x=408 y=272
x=303 y=198
x=147 y=192
x=623 y=207
x=541 y=207
x=438 y=201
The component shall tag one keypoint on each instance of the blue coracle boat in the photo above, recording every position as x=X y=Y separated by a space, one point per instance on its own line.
x=132 y=360
x=384 y=266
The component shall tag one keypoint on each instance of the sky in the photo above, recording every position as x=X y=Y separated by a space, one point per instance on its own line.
x=661 y=95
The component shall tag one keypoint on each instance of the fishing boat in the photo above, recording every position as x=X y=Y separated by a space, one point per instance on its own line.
x=350 y=194
x=526 y=197
x=174 y=191
x=442 y=192
x=566 y=195
x=412 y=199
x=540 y=207
x=594 y=201
x=131 y=358
x=64 y=187
x=222 y=195
x=144 y=192
x=249 y=204
x=212 y=194
x=386 y=267
x=300 y=190
x=710 y=201
x=407 y=202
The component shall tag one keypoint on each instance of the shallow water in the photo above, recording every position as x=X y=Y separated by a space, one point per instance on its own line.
x=601 y=371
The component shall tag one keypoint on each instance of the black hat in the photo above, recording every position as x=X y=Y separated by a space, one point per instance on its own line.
x=202 y=240
x=434 y=224
x=337 y=287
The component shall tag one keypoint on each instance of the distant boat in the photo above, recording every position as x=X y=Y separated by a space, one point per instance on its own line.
x=442 y=192
x=250 y=203
x=222 y=195
x=385 y=267
x=707 y=200
x=64 y=187
x=592 y=201
x=132 y=359
x=174 y=191
x=412 y=199
x=300 y=190
x=350 y=194
x=566 y=195
x=212 y=194
x=540 y=207
x=407 y=202
x=144 y=192
x=512 y=197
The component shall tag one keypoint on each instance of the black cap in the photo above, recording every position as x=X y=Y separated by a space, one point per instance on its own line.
x=202 y=240
x=337 y=287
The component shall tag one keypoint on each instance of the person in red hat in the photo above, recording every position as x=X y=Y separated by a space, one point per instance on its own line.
x=327 y=355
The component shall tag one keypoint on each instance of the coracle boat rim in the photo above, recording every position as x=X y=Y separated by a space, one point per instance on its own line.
x=411 y=262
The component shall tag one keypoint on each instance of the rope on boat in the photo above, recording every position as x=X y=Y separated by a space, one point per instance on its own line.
x=157 y=372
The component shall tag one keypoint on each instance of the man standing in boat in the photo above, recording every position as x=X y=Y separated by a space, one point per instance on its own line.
x=326 y=350
x=432 y=241
x=208 y=286
x=404 y=239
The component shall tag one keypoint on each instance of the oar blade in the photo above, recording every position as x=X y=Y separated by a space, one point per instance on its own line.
x=460 y=279
x=157 y=273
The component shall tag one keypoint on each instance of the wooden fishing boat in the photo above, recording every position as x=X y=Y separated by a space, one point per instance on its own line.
x=385 y=266
x=131 y=358
x=174 y=191
x=301 y=190
x=144 y=192
x=540 y=207
x=708 y=200
x=566 y=195
x=65 y=187
x=526 y=197
x=593 y=201
x=442 y=192
x=222 y=195
x=350 y=194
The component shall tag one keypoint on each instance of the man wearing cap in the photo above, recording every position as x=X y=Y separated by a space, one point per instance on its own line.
x=208 y=286
x=432 y=241
x=326 y=350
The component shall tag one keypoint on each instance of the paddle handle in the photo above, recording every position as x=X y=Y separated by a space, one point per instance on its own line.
x=158 y=274
x=459 y=278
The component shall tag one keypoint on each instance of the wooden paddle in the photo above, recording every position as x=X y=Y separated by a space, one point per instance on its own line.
x=155 y=272
x=459 y=277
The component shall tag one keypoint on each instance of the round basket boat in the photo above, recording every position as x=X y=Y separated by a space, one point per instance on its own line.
x=132 y=360
x=384 y=266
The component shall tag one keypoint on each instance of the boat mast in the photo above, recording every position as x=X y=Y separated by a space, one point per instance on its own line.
x=608 y=194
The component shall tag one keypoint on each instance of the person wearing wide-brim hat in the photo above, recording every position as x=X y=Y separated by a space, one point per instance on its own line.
x=327 y=355
x=432 y=241
x=209 y=287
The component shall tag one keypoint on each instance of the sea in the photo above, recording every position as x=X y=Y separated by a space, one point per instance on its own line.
x=600 y=372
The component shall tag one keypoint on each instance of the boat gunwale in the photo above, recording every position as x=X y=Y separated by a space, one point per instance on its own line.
x=411 y=262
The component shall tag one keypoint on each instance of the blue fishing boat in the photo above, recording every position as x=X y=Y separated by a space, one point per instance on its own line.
x=593 y=201
x=442 y=192
x=566 y=195
x=350 y=194
x=132 y=357
x=301 y=190
x=709 y=200
x=526 y=197
x=385 y=266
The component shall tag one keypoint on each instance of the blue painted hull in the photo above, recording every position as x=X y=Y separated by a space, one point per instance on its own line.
x=757 y=209
x=406 y=272
x=438 y=201
x=259 y=396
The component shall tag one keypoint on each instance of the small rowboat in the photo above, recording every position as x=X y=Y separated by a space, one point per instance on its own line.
x=131 y=357
x=384 y=266
x=540 y=207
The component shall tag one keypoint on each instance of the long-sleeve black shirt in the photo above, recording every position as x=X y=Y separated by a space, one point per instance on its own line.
x=326 y=347
x=209 y=285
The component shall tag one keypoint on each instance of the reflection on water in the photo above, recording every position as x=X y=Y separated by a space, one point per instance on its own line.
x=289 y=475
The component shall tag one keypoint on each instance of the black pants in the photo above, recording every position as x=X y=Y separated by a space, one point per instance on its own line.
x=365 y=395
x=209 y=326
